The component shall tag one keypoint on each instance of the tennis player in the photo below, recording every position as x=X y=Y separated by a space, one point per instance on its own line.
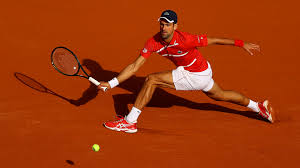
x=193 y=72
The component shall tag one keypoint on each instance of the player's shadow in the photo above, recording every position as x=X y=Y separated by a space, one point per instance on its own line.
x=161 y=98
x=32 y=83
x=97 y=72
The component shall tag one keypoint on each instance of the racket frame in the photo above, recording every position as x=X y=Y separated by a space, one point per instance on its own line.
x=79 y=65
x=94 y=81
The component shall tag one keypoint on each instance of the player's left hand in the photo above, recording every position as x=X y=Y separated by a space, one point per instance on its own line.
x=250 y=46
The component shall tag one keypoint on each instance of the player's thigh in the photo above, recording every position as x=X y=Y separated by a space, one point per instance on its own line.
x=215 y=92
x=162 y=79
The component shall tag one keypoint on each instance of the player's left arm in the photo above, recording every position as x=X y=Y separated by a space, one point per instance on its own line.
x=220 y=41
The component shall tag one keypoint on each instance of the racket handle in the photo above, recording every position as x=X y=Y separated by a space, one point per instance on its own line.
x=94 y=81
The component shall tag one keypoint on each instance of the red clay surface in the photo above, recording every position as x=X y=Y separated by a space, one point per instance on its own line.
x=178 y=129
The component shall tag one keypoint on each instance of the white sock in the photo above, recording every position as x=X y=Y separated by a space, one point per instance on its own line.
x=133 y=115
x=253 y=106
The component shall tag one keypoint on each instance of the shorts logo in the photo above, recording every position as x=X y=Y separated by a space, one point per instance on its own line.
x=166 y=13
x=145 y=50
x=179 y=52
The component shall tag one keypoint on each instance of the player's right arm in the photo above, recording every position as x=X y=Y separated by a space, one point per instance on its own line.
x=131 y=69
x=127 y=72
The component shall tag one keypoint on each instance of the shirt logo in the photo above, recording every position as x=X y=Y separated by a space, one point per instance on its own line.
x=175 y=43
x=145 y=50
x=199 y=39
x=179 y=52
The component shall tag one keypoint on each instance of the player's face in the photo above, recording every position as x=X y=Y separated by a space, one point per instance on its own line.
x=167 y=29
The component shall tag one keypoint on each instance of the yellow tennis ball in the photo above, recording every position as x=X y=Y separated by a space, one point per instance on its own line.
x=96 y=147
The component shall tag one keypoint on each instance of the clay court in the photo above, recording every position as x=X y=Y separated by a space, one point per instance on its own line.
x=51 y=120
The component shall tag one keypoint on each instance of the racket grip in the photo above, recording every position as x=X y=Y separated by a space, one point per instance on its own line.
x=94 y=81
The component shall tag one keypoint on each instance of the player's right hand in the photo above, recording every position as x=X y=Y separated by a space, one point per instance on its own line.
x=104 y=84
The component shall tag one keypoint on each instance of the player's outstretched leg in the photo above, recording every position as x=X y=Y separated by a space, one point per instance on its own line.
x=129 y=123
x=264 y=108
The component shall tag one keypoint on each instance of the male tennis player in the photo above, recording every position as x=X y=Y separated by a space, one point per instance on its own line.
x=193 y=72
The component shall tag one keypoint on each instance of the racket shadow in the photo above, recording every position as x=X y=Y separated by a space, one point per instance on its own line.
x=33 y=84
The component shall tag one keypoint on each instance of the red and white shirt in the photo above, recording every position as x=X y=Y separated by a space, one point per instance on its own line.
x=182 y=50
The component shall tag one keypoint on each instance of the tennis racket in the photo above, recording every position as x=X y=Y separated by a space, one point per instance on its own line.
x=67 y=63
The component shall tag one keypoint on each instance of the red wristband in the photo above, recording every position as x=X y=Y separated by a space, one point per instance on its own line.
x=239 y=43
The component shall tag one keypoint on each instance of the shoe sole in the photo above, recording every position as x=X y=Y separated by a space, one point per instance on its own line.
x=270 y=110
x=117 y=129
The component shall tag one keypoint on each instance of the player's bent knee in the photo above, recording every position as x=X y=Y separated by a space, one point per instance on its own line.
x=151 y=79
x=159 y=80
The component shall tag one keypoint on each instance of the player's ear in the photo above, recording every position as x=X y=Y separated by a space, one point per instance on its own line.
x=175 y=26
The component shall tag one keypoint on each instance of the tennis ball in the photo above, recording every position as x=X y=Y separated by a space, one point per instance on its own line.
x=96 y=147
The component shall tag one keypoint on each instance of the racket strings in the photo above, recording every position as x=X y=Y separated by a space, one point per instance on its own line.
x=65 y=61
